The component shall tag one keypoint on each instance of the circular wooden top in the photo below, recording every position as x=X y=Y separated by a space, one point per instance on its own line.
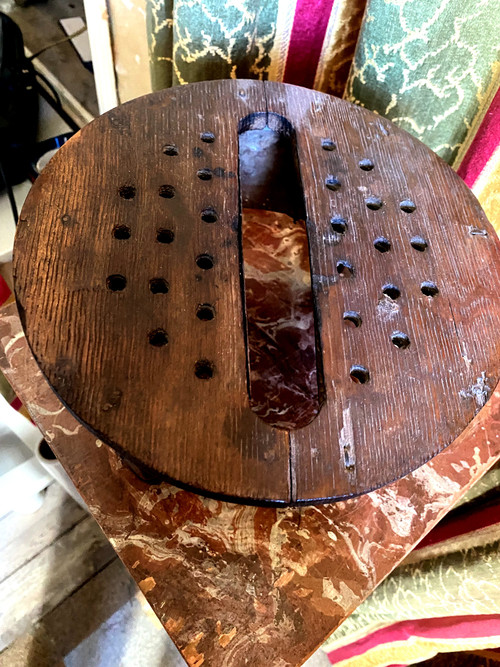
x=115 y=255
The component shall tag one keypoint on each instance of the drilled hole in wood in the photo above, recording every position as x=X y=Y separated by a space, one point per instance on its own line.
x=283 y=364
x=382 y=244
x=345 y=268
x=366 y=164
x=158 y=337
x=400 y=339
x=205 y=312
x=164 y=235
x=166 y=191
x=158 y=286
x=204 y=369
x=407 y=206
x=339 y=225
x=127 y=191
x=170 y=149
x=207 y=137
x=121 y=232
x=204 y=174
x=116 y=282
x=374 y=203
x=429 y=288
x=332 y=183
x=328 y=145
x=419 y=243
x=353 y=318
x=209 y=215
x=359 y=374
x=205 y=261
x=391 y=291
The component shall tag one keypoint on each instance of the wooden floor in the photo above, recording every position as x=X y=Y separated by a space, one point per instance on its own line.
x=39 y=24
x=66 y=599
x=65 y=596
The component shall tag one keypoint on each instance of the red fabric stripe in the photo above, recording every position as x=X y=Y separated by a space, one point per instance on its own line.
x=450 y=627
x=306 y=40
x=483 y=144
x=463 y=523
x=4 y=291
x=16 y=404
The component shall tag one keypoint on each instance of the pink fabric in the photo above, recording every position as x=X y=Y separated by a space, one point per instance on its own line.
x=452 y=627
x=467 y=521
x=483 y=145
x=4 y=291
x=16 y=404
x=308 y=32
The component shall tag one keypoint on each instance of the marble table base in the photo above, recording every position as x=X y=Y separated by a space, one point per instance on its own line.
x=236 y=585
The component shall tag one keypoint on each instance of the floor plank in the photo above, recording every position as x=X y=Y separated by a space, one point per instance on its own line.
x=51 y=576
x=40 y=27
x=105 y=622
x=22 y=537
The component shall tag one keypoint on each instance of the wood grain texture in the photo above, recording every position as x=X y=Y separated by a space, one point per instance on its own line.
x=92 y=343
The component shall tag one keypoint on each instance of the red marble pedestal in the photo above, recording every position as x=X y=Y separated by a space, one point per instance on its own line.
x=236 y=585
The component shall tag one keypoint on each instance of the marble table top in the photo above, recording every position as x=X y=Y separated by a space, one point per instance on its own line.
x=238 y=585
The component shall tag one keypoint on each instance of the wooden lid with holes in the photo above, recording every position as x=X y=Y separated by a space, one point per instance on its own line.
x=131 y=287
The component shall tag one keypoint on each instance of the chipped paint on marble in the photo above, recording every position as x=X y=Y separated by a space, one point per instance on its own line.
x=304 y=533
x=344 y=597
x=437 y=487
x=277 y=539
x=173 y=624
x=397 y=509
x=227 y=638
x=146 y=585
x=284 y=579
x=191 y=654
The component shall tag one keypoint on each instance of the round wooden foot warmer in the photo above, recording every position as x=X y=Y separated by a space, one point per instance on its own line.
x=260 y=292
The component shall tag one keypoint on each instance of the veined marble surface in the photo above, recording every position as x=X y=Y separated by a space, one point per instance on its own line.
x=237 y=585
x=280 y=319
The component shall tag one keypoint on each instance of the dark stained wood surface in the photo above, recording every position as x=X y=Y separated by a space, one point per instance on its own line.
x=92 y=343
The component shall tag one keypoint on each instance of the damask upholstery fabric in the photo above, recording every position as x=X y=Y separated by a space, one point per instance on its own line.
x=307 y=42
x=431 y=67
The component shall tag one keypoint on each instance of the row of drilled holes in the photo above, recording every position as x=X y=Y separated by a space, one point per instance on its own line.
x=358 y=373
x=427 y=287
x=382 y=244
x=123 y=232
x=203 y=368
x=373 y=203
x=168 y=191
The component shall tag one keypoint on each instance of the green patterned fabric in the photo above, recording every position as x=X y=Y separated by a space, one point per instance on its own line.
x=197 y=41
x=159 y=26
x=463 y=583
x=431 y=67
